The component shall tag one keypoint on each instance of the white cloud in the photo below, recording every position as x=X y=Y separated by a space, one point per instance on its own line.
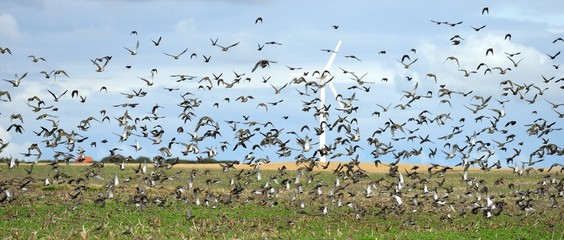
x=28 y=3
x=546 y=13
x=185 y=25
x=9 y=27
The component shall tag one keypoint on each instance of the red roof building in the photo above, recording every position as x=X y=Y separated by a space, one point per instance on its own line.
x=84 y=159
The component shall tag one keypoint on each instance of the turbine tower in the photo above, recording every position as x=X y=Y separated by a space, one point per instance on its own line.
x=323 y=83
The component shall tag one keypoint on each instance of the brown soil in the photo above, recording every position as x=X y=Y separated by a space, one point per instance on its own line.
x=370 y=167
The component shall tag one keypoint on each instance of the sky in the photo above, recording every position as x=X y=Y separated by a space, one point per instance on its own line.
x=68 y=34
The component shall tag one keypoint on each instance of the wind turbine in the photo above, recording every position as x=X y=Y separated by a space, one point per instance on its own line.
x=323 y=83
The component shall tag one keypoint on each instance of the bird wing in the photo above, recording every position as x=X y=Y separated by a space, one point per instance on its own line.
x=183 y=52
x=256 y=65
x=52 y=94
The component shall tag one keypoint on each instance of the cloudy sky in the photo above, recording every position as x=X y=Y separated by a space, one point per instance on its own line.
x=69 y=34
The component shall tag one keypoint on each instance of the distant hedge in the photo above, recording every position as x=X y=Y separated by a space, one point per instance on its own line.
x=141 y=159
x=108 y=159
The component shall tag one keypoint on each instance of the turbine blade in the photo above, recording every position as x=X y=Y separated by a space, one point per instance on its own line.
x=333 y=55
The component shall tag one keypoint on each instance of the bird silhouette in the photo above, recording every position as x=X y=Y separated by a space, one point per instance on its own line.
x=134 y=51
x=177 y=56
x=262 y=64
x=259 y=19
x=157 y=42
x=485 y=10
x=552 y=57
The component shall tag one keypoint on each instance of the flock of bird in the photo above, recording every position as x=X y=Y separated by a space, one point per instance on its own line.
x=204 y=137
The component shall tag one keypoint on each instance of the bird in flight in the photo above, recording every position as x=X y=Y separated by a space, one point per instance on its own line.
x=157 y=42
x=36 y=59
x=406 y=66
x=228 y=47
x=273 y=43
x=148 y=82
x=515 y=64
x=5 y=50
x=262 y=63
x=260 y=47
x=552 y=57
x=478 y=28
x=453 y=59
x=206 y=58
x=134 y=51
x=98 y=67
x=176 y=57
x=214 y=42
x=16 y=82
x=489 y=50
x=485 y=10
x=7 y=94
x=353 y=57
x=466 y=72
x=55 y=96
x=57 y=72
x=278 y=90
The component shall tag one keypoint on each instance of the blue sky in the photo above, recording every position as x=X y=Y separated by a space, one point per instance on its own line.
x=70 y=33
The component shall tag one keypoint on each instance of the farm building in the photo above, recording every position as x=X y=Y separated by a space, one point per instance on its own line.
x=84 y=159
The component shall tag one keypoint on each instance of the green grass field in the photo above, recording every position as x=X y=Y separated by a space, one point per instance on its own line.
x=64 y=210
